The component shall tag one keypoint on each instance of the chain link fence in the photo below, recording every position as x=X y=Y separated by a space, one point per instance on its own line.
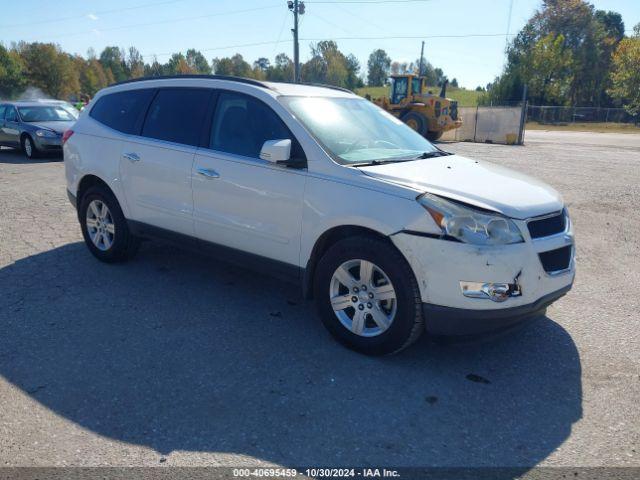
x=565 y=115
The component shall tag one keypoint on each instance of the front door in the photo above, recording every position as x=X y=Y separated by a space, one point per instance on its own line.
x=240 y=200
x=10 y=127
x=156 y=166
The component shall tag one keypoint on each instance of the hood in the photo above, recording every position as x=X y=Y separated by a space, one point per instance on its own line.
x=58 y=127
x=475 y=182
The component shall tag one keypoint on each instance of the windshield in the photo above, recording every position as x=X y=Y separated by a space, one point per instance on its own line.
x=354 y=130
x=48 y=113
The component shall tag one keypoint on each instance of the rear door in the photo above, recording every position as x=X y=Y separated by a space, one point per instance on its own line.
x=156 y=165
x=240 y=200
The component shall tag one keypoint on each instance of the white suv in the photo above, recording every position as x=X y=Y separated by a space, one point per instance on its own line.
x=388 y=233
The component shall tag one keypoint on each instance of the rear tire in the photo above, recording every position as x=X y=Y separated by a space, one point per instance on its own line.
x=104 y=227
x=391 y=277
x=416 y=121
x=29 y=147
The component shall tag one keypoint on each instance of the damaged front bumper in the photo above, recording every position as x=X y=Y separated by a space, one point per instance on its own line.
x=468 y=289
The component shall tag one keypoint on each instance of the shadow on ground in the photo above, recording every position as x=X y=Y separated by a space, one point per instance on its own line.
x=178 y=352
x=14 y=155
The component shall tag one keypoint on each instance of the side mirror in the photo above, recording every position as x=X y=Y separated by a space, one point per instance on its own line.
x=276 y=151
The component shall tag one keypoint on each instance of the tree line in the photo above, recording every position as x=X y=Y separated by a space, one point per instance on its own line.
x=571 y=54
x=62 y=75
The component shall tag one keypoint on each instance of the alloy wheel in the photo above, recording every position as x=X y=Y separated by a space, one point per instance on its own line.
x=363 y=298
x=100 y=225
x=28 y=147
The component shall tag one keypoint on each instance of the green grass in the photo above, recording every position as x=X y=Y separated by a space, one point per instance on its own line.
x=587 y=127
x=465 y=98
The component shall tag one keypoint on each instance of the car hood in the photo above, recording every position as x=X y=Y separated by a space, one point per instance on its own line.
x=59 y=127
x=475 y=182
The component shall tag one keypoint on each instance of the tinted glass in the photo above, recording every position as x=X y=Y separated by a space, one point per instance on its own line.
x=415 y=86
x=122 y=110
x=177 y=115
x=2 y=110
x=242 y=124
x=11 y=115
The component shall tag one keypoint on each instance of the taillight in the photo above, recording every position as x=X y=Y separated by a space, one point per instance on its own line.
x=66 y=136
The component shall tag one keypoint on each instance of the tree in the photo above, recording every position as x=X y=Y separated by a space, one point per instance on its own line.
x=49 y=69
x=281 y=70
x=113 y=59
x=551 y=77
x=177 y=65
x=327 y=65
x=625 y=75
x=378 y=66
x=440 y=76
x=262 y=64
x=428 y=72
x=589 y=38
x=353 y=72
x=155 y=69
x=454 y=83
x=234 y=66
x=92 y=76
x=135 y=63
x=197 y=62
x=12 y=79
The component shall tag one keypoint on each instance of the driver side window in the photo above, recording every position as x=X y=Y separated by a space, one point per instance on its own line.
x=242 y=124
x=11 y=115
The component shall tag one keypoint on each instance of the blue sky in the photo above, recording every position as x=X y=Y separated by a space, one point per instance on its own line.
x=257 y=28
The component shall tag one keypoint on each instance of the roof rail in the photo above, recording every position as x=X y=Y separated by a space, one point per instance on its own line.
x=249 y=81
x=332 y=87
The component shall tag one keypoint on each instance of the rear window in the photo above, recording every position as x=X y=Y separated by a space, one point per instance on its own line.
x=121 y=111
x=177 y=115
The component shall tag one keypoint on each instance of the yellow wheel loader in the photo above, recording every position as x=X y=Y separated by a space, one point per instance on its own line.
x=426 y=113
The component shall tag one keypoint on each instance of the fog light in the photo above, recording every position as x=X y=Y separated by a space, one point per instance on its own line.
x=498 y=292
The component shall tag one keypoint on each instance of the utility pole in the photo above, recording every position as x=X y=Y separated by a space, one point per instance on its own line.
x=421 y=57
x=297 y=7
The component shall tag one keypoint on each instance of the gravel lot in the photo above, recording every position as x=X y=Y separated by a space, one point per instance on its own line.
x=176 y=359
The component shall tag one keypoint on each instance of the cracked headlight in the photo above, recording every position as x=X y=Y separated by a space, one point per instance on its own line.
x=46 y=133
x=468 y=225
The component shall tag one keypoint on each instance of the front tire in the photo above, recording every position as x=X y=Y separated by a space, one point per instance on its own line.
x=416 y=121
x=104 y=226
x=368 y=297
x=29 y=147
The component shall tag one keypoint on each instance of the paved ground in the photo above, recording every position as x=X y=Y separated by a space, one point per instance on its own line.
x=178 y=360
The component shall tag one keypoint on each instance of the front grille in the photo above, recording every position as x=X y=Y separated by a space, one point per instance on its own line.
x=556 y=260
x=547 y=226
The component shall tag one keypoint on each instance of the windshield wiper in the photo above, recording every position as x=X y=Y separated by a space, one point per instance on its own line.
x=437 y=153
x=376 y=162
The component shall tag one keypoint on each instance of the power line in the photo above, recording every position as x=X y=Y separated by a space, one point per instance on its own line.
x=256 y=44
x=411 y=37
x=345 y=2
x=102 y=12
x=172 y=20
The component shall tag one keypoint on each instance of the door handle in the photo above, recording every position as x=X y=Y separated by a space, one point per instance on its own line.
x=207 y=172
x=131 y=156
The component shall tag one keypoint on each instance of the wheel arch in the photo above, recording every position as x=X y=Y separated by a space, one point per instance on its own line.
x=88 y=181
x=325 y=241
